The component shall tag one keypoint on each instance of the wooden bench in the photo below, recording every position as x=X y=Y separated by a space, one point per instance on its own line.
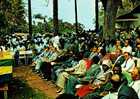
x=4 y=88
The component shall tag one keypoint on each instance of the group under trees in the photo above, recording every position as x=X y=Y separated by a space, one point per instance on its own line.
x=12 y=16
x=113 y=9
x=12 y=13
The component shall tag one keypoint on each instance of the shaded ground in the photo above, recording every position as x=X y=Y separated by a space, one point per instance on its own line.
x=20 y=90
x=27 y=85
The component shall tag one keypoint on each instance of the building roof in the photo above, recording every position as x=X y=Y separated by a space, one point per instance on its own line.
x=130 y=16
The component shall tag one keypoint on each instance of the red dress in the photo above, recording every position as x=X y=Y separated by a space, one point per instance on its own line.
x=88 y=63
x=84 y=90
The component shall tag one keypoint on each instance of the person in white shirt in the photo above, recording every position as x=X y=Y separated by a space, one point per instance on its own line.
x=56 y=42
x=127 y=47
x=129 y=64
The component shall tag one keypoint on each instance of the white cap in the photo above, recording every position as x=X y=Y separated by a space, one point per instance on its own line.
x=127 y=49
x=107 y=62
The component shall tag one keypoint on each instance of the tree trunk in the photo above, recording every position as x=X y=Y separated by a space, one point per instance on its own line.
x=97 y=16
x=30 y=18
x=76 y=17
x=55 y=16
x=110 y=18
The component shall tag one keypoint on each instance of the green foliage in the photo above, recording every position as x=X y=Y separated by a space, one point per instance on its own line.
x=47 y=25
x=13 y=14
x=18 y=89
x=39 y=16
x=113 y=9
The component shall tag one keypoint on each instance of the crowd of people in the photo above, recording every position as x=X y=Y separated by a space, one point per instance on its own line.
x=85 y=65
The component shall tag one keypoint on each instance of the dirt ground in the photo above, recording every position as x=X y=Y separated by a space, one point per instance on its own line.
x=34 y=81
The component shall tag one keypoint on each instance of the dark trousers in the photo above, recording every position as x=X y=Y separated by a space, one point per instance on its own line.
x=46 y=70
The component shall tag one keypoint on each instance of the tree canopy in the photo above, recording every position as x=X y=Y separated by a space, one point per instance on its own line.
x=12 y=16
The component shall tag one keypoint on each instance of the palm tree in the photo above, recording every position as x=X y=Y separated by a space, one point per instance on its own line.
x=55 y=17
x=30 y=18
x=76 y=17
x=97 y=10
x=45 y=24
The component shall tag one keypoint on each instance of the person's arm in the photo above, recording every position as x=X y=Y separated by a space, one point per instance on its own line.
x=73 y=68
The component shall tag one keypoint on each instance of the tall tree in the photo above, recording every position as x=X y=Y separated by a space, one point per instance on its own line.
x=114 y=8
x=44 y=24
x=55 y=17
x=30 y=18
x=110 y=8
x=76 y=17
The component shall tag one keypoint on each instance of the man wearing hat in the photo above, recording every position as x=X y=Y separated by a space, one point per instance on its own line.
x=129 y=64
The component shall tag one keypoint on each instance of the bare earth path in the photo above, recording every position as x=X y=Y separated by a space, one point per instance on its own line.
x=34 y=81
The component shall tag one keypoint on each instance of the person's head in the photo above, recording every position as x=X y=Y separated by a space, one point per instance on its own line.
x=116 y=81
x=138 y=46
x=105 y=67
x=118 y=52
x=94 y=49
x=106 y=64
x=117 y=69
x=115 y=78
x=46 y=48
x=96 y=59
x=102 y=51
x=126 y=43
x=135 y=74
x=118 y=42
x=126 y=55
x=138 y=40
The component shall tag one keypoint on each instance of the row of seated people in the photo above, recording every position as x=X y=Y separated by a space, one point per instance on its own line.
x=93 y=76
x=97 y=80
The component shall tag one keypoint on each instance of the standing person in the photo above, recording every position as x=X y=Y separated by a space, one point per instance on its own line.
x=16 y=56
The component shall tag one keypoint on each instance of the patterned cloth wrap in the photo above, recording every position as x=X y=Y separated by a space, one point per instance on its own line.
x=6 y=69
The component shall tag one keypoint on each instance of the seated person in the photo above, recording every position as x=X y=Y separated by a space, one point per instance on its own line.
x=124 y=91
x=89 y=75
x=117 y=46
x=137 y=51
x=77 y=70
x=129 y=64
x=99 y=81
x=117 y=79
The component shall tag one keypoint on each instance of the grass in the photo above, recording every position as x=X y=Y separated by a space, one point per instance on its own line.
x=18 y=89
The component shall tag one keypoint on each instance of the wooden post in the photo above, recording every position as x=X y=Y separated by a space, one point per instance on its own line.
x=4 y=88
